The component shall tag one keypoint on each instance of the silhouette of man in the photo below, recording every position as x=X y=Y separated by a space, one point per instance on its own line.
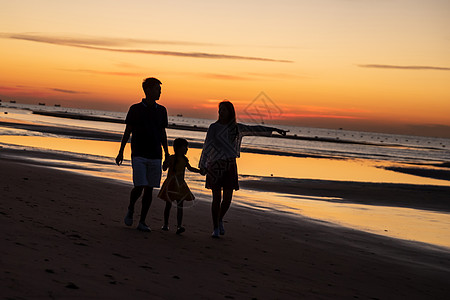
x=146 y=122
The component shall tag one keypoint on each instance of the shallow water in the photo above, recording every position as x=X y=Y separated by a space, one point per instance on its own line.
x=345 y=162
x=249 y=164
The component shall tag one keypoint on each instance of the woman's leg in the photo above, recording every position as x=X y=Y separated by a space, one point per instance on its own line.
x=226 y=202
x=215 y=207
x=225 y=205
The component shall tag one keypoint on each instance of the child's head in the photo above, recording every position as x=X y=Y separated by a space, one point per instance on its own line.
x=180 y=146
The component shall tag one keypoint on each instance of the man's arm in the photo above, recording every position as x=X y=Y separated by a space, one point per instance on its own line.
x=125 y=138
x=164 y=143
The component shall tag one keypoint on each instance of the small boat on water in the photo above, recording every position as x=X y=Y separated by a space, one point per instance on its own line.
x=57 y=105
x=41 y=103
x=12 y=101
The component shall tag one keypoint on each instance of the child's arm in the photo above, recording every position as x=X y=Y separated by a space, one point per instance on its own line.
x=191 y=168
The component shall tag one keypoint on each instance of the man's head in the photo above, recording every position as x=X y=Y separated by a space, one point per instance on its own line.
x=152 y=88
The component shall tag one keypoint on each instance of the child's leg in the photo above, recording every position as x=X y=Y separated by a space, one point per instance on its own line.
x=167 y=213
x=180 y=213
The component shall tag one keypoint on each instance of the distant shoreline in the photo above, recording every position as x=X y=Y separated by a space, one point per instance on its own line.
x=69 y=115
x=116 y=137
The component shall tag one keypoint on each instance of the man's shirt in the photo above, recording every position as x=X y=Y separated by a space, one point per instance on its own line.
x=147 y=124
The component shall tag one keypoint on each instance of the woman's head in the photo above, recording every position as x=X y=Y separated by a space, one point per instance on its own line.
x=180 y=146
x=227 y=114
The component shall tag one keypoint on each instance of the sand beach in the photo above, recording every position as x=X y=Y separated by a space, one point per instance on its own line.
x=63 y=237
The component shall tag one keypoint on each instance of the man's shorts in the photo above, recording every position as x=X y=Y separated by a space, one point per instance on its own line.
x=146 y=171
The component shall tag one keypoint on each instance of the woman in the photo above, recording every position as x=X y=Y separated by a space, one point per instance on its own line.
x=218 y=159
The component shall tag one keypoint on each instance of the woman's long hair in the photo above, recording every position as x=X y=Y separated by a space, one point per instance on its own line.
x=233 y=132
x=231 y=112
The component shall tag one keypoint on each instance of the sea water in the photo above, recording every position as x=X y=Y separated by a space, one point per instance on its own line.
x=363 y=157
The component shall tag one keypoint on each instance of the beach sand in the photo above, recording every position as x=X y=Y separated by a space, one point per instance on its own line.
x=62 y=236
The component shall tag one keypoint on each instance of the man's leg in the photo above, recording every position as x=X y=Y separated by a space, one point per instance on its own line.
x=146 y=202
x=134 y=196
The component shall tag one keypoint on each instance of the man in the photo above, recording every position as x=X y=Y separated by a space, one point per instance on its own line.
x=146 y=122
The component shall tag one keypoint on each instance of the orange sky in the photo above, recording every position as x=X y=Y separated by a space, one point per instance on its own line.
x=362 y=65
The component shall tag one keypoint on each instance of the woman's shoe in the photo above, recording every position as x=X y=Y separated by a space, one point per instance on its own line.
x=221 y=228
x=215 y=233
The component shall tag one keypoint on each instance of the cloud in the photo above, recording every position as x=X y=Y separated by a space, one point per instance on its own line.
x=113 y=73
x=317 y=115
x=108 y=44
x=9 y=88
x=66 y=91
x=277 y=75
x=405 y=67
x=95 y=41
x=222 y=76
x=24 y=89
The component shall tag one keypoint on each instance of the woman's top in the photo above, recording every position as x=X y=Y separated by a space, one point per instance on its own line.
x=223 y=141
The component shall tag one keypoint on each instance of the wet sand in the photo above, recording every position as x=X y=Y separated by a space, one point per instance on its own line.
x=63 y=236
x=434 y=198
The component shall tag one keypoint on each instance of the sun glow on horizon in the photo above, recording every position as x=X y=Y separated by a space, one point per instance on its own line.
x=331 y=63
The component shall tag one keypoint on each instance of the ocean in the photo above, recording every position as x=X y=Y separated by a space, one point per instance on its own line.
x=306 y=153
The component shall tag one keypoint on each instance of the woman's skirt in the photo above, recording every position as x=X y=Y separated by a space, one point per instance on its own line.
x=222 y=174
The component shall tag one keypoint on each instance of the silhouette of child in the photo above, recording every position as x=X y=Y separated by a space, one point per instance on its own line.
x=174 y=187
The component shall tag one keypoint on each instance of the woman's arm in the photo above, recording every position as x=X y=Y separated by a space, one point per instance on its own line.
x=259 y=130
x=207 y=146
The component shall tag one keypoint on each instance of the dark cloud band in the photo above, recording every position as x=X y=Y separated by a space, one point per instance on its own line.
x=105 y=45
x=405 y=67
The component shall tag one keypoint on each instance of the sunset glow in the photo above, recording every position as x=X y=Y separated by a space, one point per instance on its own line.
x=360 y=65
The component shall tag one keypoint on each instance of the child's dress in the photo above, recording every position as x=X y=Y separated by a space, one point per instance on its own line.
x=174 y=187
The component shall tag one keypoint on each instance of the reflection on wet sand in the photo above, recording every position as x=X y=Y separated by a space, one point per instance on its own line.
x=398 y=222
x=250 y=163
x=405 y=223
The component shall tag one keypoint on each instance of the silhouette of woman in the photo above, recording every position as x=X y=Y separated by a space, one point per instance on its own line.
x=218 y=159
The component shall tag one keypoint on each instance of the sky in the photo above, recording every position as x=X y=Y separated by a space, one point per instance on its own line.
x=369 y=65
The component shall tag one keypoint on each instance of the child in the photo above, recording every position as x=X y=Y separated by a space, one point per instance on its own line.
x=174 y=187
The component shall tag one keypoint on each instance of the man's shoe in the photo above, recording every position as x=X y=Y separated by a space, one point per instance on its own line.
x=165 y=228
x=129 y=218
x=143 y=227
x=180 y=230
